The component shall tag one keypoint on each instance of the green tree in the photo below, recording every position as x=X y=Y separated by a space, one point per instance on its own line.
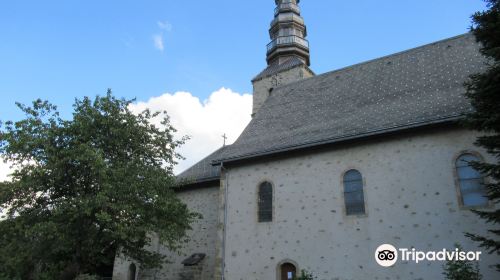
x=484 y=92
x=305 y=275
x=461 y=270
x=84 y=188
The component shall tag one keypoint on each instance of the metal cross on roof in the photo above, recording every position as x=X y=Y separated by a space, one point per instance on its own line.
x=225 y=138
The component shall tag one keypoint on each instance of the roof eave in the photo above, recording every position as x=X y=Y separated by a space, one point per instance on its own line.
x=185 y=183
x=343 y=139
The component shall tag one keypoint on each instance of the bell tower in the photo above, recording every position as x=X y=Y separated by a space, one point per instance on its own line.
x=287 y=54
x=288 y=33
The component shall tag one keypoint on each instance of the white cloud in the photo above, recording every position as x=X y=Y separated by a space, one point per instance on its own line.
x=165 y=25
x=158 y=38
x=205 y=121
x=5 y=170
x=224 y=112
x=158 y=41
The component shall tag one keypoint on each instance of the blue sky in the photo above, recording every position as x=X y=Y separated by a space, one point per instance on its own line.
x=194 y=59
x=59 y=50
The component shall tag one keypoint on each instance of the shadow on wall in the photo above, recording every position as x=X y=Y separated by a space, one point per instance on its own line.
x=193 y=267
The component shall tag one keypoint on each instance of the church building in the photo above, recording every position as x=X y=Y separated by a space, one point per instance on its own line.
x=333 y=165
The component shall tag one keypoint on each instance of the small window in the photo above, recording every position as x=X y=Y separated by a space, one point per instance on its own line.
x=271 y=91
x=265 y=202
x=353 y=193
x=472 y=190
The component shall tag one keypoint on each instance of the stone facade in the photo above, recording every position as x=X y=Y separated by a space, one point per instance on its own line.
x=409 y=182
x=411 y=201
x=262 y=88
x=410 y=197
x=203 y=238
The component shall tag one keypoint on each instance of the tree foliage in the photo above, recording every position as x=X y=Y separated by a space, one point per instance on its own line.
x=305 y=275
x=461 y=270
x=484 y=92
x=86 y=187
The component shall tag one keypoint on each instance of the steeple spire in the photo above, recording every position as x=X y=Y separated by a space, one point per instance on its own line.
x=287 y=53
x=288 y=33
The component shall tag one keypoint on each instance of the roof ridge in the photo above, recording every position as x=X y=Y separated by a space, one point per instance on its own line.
x=342 y=69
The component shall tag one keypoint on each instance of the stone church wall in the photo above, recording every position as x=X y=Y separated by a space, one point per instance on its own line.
x=203 y=239
x=410 y=197
x=262 y=87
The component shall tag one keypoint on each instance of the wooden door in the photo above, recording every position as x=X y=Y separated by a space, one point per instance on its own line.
x=288 y=271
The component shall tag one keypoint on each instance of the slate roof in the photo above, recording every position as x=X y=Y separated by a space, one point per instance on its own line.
x=276 y=68
x=408 y=89
x=202 y=171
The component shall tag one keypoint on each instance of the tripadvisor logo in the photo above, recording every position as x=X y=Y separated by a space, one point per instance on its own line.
x=387 y=255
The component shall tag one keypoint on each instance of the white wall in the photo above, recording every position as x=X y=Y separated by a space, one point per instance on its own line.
x=411 y=200
x=203 y=239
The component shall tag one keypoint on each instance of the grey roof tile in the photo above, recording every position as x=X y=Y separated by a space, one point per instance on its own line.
x=277 y=68
x=411 y=88
x=202 y=171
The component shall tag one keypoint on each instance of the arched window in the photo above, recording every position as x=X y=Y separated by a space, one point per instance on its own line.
x=353 y=193
x=472 y=190
x=131 y=272
x=288 y=271
x=265 y=202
